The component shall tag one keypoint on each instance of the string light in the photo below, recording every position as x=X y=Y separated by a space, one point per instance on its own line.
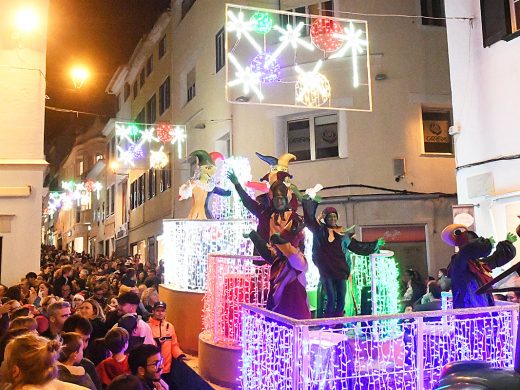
x=74 y=192
x=355 y=44
x=267 y=67
x=312 y=88
x=245 y=77
x=322 y=34
x=290 y=36
x=261 y=22
x=241 y=27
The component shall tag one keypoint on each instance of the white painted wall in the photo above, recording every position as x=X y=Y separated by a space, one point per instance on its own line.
x=485 y=83
x=22 y=97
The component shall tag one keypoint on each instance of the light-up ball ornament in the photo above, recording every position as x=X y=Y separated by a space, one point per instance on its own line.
x=89 y=185
x=313 y=90
x=164 y=132
x=261 y=22
x=158 y=159
x=322 y=34
x=267 y=67
x=136 y=151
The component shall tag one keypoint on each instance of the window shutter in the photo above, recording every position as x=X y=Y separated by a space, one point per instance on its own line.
x=496 y=20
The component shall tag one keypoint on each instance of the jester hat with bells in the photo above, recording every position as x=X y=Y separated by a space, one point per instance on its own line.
x=279 y=167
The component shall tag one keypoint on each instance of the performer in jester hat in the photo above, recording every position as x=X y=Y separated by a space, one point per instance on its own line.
x=470 y=268
x=331 y=249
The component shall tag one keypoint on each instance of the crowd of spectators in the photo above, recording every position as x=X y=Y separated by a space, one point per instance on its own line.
x=90 y=323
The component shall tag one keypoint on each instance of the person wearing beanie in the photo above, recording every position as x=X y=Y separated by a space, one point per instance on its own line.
x=331 y=253
x=470 y=268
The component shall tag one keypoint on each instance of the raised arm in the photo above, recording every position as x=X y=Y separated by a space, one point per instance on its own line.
x=252 y=205
x=309 y=214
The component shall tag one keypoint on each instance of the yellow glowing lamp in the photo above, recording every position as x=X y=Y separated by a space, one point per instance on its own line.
x=26 y=20
x=79 y=75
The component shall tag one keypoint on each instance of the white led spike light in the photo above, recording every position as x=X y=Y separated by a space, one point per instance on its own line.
x=336 y=50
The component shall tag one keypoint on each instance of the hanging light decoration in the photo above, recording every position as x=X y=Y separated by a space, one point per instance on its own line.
x=267 y=67
x=136 y=151
x=158 y=159
x=164 y=132
x=322 y=34
x=312 y=88
x=261 y=22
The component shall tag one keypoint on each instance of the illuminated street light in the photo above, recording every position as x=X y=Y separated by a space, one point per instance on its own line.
x=79 y=75
x=26 y=20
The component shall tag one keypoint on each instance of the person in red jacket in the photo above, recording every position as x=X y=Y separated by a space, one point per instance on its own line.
x=164 y=335
x=116 y=341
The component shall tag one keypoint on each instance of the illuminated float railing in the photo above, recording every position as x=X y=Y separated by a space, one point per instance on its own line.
x=187 y=244
x=347 y=353
x=232 y=281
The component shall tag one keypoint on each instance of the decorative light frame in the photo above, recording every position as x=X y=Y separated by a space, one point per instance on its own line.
x=289 y=45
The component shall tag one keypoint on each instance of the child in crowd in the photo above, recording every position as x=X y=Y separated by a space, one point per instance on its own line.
x=116 y=341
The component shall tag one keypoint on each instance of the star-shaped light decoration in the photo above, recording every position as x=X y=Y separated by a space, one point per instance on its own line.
x=355 y=44
x=126 y=156
x=312 y=88
x=179 y=137
x=291 y=36
x=158 y=159
x=250 y=80
x=128 y=131
x=97 y=187
x=148 y=136
x=242 y=27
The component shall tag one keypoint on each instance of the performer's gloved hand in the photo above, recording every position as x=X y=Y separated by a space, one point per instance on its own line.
x=492 y=240
x=511 y=237
x=276 y=238
x=380 y=242
x=232 y=177
x=297 y=193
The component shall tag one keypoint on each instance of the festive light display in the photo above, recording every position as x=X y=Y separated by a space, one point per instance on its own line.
x=232 y=281
x=73 y=193
x=312 y=88
x=266 y=67
x=281 y=353
x=231 y=207
x=137 y=141
x=261 y=22
x=322 y=34
x=356 y=44
x=187 y=245
x=267 y=59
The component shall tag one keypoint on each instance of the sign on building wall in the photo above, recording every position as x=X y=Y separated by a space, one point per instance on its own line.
x=291 y=59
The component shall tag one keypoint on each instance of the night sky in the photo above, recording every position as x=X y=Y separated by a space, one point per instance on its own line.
x=101 y=34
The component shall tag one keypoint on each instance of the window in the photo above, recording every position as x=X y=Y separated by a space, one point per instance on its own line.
x=186 y=6
x=220 y=50
x=137 y=192
x=500 y=20
x=164 y=96
x=140 y=188
x=112 y=198
x=162 y=47
x=127 y=91
x=118 y=101
x=142 y=79
x=151 y=110
x=149 y=65
x=313 y=138
x=436 y=124
x=141 y=116
x=136 y=90
x=80 y=167
x=99 y=157
x=325 y=8
x=433 y=9
x=190 y=84
x=151 y=183
x=165 y=177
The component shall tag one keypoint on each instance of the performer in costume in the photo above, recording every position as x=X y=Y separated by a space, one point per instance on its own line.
x=331 y=249
x=470 y=268
x=287 y=294
x=201 y=187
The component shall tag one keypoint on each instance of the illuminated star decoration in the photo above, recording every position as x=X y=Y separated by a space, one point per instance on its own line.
x=126 y=156
x=242 y=27
x=158 y=159
x=179 y=137
x=353 y=42
x=291 y=36
x=249 y=79
x=312 y=88
x=128 y=131
x=147 y=136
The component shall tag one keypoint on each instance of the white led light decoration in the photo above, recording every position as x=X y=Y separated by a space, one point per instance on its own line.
x=290 y=36
x=125 y=156
x=158 y=159
x=242 y=27
x=347 y=353
x=355 y=44
x=179 y=138
x=312 y=88
x=246 y=77
x=148 y=136
x=188 y=243
x=266 y=60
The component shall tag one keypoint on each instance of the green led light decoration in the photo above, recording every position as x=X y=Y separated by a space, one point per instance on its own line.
x=261 y=22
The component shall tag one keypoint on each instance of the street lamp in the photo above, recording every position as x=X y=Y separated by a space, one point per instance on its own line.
x=26 y=20
x=79 y=76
